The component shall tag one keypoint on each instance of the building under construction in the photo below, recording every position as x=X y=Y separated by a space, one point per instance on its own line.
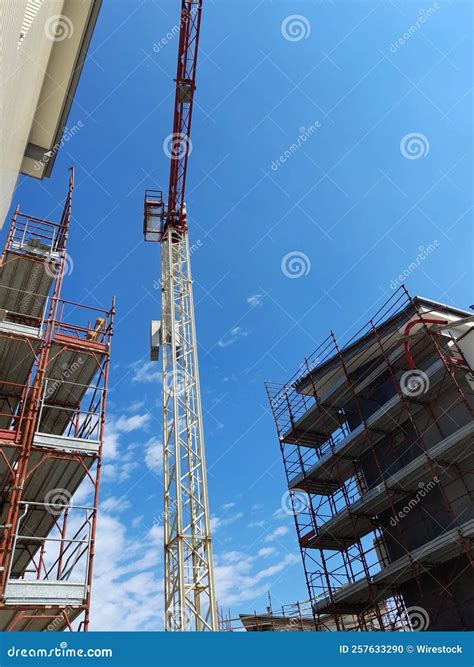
x=295 y=617
x=377 y=442
x=54 y=359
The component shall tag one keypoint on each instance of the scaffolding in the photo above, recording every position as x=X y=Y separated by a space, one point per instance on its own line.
x=54 y=361
x=294 y=617
x=376 y=438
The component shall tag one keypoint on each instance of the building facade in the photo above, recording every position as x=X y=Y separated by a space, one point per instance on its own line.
x=43 y=45
x=377 y=441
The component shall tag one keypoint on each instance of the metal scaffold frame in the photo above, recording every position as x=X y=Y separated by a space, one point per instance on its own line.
x=344 y=421
x=51 y=440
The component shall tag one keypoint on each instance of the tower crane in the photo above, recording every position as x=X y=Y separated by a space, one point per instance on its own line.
x=190 y=601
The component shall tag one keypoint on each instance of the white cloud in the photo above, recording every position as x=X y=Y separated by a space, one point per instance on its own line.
x=127 y=590
x=111 y=440
x=280 y=514
x=156 y=535
x=232 y=337
x=114 y=427
x=238 y=579
x=133 y=423
x=154 y=455
x=127 y=594
x=219 y=522
x=266 y=551
x=278 y=532
x=255 y=300
x=136 y=405
x=148 y=371
x=228 y=506
x=114 y=504
x=118 y=472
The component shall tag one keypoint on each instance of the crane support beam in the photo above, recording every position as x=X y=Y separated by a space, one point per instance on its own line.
x=190 y=600
x=189 y=580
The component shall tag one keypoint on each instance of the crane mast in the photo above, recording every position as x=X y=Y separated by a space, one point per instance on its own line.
x=190 y=601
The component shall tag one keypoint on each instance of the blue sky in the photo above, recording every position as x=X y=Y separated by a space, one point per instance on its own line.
x=359 y=197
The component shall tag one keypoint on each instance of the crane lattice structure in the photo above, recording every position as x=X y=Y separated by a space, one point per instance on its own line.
x=190 y=603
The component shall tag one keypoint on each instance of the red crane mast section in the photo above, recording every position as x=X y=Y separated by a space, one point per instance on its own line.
x=177 y=145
